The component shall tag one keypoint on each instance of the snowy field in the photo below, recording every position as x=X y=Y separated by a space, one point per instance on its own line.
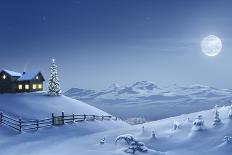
x=171 y=136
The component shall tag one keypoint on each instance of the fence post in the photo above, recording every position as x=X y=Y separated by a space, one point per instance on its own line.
x=116 y=118
x=37 y=124
x=102 y=117
x=62 y=118
x=94 y=117
x=20 y=125
x=73 y=117
x=1 y=118
x=53 y=119
x=84 y=116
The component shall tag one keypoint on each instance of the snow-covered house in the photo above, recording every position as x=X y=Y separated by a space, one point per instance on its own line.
x=13 y=82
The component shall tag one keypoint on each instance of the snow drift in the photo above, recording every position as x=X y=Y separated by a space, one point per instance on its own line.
x=39 y=105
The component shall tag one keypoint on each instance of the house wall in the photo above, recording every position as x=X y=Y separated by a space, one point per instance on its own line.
x=30 y=83
x=7 y=85
x=10 y=84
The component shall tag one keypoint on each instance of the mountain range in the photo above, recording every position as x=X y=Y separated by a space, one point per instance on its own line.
x=146 y=99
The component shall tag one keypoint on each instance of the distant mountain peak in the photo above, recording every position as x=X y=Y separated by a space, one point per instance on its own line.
x=144 y=82
x=113 y=87
x=198 y=86
x=145 y=85
x=148 y=91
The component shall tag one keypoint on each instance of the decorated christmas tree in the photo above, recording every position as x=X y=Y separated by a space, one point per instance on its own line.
x=54 y=83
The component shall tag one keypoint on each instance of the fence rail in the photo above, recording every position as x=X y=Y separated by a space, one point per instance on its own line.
x=34 y=125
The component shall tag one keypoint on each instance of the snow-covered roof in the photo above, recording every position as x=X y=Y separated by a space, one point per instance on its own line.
x=28 y=76
x=12 y=73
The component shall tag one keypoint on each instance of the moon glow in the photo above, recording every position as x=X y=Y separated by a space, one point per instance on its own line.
x=211 y=45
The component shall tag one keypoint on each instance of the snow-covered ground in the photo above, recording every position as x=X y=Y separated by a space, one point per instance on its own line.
x=147 y=100
x=169 y=141
x=39 y=105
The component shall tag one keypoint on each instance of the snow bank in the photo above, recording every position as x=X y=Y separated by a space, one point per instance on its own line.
x=39 y=105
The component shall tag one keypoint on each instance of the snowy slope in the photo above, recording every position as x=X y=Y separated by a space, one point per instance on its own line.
x=40 y=106
x=182 y=141
x=145 y=99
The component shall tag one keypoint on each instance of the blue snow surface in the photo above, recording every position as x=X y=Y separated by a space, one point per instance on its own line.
x=84 y=138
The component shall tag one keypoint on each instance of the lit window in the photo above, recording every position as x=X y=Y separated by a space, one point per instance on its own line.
x=20 y=87
x=34 y=86
x=40 y=86
x=27 y=87
x=37 y=77
x=4 y=76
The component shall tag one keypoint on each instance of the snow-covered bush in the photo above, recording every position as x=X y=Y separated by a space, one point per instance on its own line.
x=133 y=145
x=127 y=138
x=230 y=112
x=198 y=124
x=217 y=120
x=54 y=83
x=136 y=146
x=176 y=125
x=136 y=120
x=103 y=140
x=227 y=139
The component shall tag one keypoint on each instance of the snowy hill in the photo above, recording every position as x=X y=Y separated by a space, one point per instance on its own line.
x=151 y=101
x=39 y=105
x=29 y=106
x=166 y=140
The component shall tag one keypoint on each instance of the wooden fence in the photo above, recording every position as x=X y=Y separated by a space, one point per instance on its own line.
x=33 y=125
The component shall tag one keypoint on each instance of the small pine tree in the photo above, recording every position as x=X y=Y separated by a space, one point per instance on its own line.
x=54 y=83
x=230 y=112
x=217 y=120
x=153 y=135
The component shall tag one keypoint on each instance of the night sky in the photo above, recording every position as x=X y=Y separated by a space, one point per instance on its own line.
x=99 y=42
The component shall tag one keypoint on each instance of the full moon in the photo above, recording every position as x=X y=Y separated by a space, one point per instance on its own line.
x=211 y=45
